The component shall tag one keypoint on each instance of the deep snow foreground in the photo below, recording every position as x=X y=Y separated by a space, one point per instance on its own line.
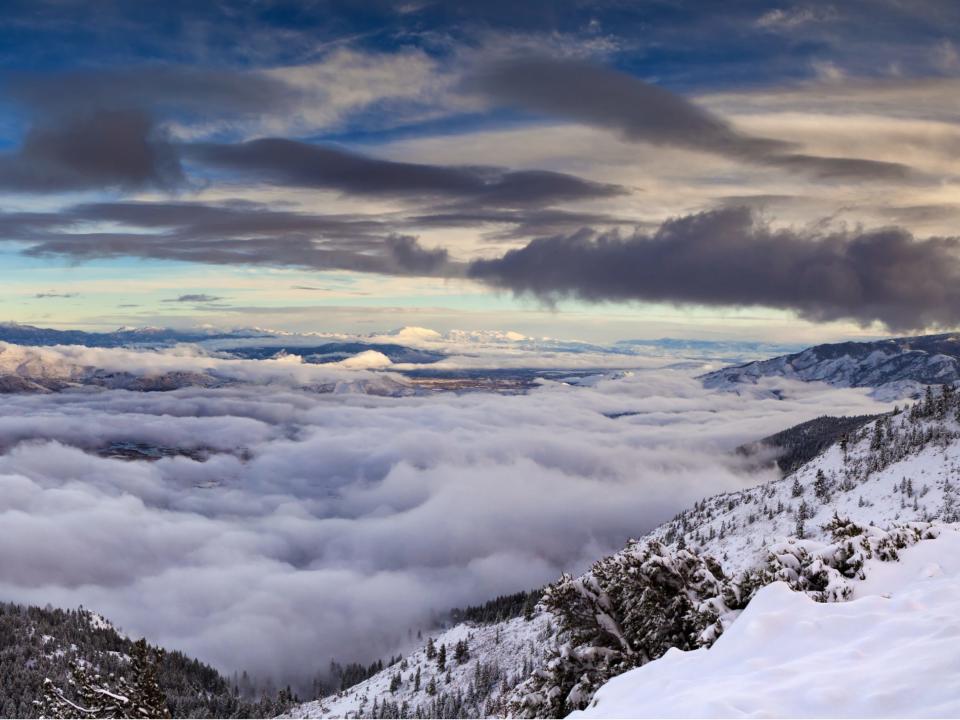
x=892 y=651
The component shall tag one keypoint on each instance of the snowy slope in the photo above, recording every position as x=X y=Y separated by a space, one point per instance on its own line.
x=737 y=527
x=890 y=652
x=501 y=655
x=897 y=367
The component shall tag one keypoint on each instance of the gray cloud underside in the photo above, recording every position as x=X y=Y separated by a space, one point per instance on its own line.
x=126 y=150
x=722 y=258
x=294 y=163
x=102 y=149
x=195 y=298
x=642 y=112
x=727 y=257
x=102 y=129
x=160 y=89
x=235 y=234
x=248 y=233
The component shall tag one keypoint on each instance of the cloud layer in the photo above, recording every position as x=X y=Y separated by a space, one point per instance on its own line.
x=329 y=525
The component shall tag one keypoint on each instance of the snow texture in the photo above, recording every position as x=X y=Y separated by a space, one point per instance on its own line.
x=509 y=648
x=895 y=368
x=892 y=651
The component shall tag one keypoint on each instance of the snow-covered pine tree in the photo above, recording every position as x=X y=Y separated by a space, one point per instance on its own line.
x=111 y=697
x=820 y=487
x=629 y=609
x=94 y=696
x=796 y=489
x=147 y=696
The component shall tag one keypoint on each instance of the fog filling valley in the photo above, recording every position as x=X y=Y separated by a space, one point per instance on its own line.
x=329 y=525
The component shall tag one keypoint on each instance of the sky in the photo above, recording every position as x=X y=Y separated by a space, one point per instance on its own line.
x=589 y=170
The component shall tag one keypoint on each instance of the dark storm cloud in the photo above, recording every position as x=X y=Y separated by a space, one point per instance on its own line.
x=117 y=149
x=289 y=162
x=727 y=257
x=642 y=112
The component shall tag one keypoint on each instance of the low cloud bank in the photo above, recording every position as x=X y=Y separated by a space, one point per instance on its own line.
x=329 y=525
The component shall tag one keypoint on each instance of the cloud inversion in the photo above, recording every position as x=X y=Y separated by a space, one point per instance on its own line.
x=329 y=525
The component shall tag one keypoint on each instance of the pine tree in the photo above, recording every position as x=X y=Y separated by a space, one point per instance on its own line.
x=797 y=489
x=629 y=609
x=416 y=680
x=147 y=695
x=96 y=697
x=431 y=649
x=442 y=658
x=529 y=606
x=803 y=514
x=111 y=697
x=820 y=487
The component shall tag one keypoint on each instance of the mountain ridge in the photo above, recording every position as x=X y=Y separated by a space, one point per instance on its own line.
x=899 y=366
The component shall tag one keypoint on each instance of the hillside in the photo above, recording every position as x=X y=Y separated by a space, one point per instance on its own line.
x=38 y=643
x=896 y=366
x=500 y=656
x=886 y=473
x=794 y=447
x=909 y=470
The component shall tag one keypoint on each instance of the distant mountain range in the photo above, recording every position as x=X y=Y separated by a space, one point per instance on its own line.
x=122 y=337
x=898 y=364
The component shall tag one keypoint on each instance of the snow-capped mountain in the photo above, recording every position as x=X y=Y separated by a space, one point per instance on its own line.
x=898 y=365
x=822 y=529
x=19 y=334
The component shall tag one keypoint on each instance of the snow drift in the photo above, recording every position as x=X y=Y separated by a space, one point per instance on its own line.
x=892 y=651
